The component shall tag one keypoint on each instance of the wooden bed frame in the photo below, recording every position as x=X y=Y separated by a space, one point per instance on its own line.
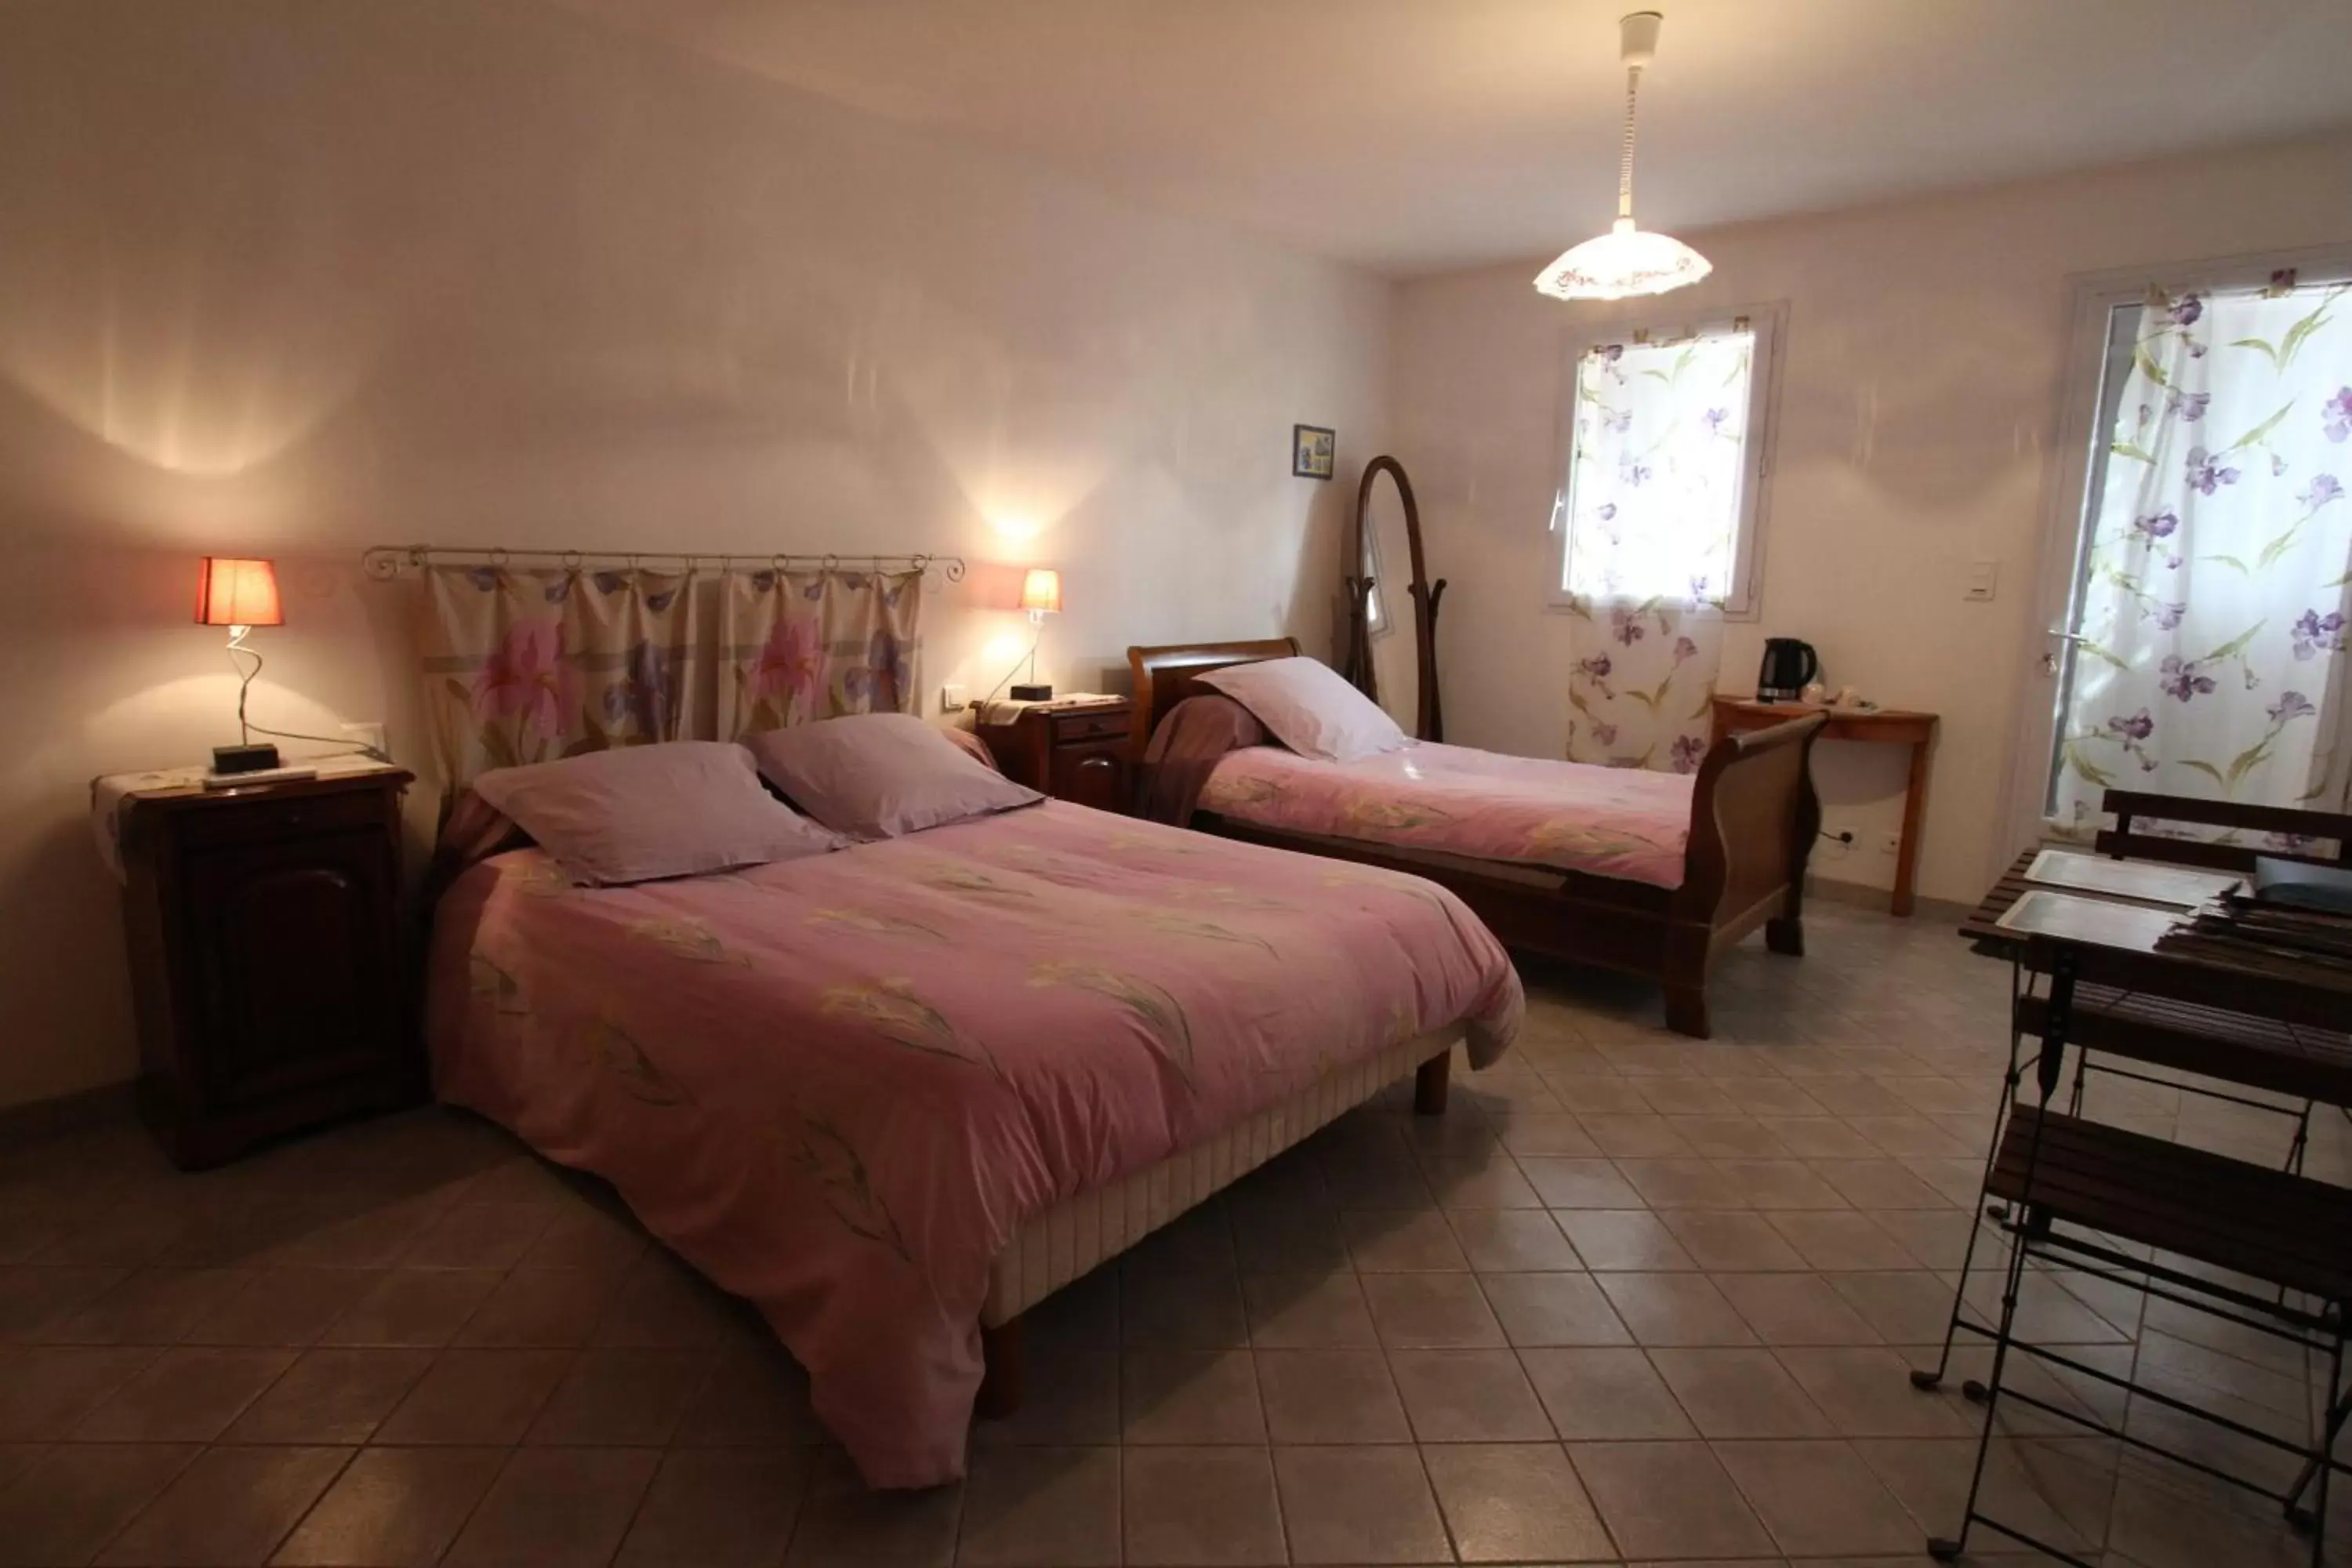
x=1754 y=816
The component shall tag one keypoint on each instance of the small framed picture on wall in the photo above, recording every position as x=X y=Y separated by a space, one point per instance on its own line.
x=1311 y=451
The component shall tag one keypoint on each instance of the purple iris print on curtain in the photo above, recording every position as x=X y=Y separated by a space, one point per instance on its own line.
x=1653 y=518
x=2217 y=574
x=801 y=646
x=529 y=666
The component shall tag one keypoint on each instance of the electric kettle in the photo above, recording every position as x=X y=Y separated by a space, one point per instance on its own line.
x=1790 y=666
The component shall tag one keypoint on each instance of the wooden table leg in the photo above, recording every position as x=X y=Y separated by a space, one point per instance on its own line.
x=1907 y=855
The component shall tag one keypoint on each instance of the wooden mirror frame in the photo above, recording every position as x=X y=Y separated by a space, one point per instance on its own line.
x=1429 y=722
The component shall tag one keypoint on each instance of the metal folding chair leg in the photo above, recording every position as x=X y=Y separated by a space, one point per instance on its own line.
x=1921 y=1378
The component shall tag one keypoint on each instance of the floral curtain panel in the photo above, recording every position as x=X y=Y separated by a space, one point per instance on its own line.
x=1643 y=687
x=2215 y=588
x=801 y=646
x=529 y=666
x=1653 y=512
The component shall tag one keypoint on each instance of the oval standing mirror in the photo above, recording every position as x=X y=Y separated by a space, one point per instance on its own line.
x=1392 y=606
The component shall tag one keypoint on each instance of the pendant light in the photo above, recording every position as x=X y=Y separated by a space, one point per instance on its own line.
x=1626 y=261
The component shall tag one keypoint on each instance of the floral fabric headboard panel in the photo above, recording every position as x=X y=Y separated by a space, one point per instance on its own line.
x=800 y=645
x=529 y=665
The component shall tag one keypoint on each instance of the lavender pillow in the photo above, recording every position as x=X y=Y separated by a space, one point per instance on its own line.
x=1310 y=708
x=637 y=813
x=878 y=775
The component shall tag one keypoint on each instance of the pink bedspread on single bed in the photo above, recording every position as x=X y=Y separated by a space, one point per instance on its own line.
x=1627 y=823
x=839 y=1085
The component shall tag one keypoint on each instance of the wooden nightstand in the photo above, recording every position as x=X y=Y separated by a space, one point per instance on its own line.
x=1081 y=754
x=265 y=960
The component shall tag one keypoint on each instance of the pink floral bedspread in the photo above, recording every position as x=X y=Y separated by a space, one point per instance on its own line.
x=839 y=1085
x=1627 y=823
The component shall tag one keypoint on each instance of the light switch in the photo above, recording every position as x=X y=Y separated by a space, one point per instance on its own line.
x=952 y=698
x=1983 y=578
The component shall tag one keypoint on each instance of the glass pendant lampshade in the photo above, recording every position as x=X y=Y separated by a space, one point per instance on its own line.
x=1621 y=264
x=1626 y=261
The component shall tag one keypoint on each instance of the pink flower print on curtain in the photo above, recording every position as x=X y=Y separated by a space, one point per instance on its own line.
x=786 y=676
x=526 y=681
x=795 y=647
x=526 y=665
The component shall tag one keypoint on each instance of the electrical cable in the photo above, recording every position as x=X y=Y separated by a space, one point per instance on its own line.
x=248 y=730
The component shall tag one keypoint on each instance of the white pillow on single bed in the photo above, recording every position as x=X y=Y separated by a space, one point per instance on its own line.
x=634 y=814
x=878 y=775
x=1309 y=707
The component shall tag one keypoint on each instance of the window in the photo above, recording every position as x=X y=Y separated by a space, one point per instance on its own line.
x=1662 y=497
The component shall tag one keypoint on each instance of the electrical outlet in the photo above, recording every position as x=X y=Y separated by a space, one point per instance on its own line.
x=952 y=698
x=369 y=735
x=1890 y=843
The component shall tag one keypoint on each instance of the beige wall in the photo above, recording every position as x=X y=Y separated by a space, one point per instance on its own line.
x=293 y=278
x=1918 y=405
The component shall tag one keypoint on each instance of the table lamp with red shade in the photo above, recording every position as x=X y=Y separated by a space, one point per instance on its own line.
x=239 y=595
x=242 y=594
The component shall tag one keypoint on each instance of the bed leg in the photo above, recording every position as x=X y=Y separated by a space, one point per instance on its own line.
x=1686 y=1011
x=1430 y=1084
x=1786 y=935
x=1000 y=1381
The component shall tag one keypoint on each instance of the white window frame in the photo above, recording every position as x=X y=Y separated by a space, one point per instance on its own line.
x=1743 y=597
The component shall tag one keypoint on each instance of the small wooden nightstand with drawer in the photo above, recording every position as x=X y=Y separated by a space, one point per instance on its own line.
x=1081 y=754
x=266 y=956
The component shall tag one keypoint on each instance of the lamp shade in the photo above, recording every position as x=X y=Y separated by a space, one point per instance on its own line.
x=1622 y=263
x=1040 y=590
x=235 y=592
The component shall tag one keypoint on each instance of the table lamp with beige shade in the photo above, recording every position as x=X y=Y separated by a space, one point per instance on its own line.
x=1040 y=596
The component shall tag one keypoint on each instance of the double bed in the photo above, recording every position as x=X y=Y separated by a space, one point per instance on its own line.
x=897 y=1093
x=1652 y=873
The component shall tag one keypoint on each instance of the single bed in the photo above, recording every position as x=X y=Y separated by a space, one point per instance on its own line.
x=1653 y=874
x=897 y=1093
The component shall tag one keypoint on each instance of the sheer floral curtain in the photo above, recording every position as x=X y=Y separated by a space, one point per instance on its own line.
x=2218 y=575
x=529 y=666
x=1652 y=521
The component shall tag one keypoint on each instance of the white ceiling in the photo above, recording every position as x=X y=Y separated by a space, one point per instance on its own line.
x=1414 y=135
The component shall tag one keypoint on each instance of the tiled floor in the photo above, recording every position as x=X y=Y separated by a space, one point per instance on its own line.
x=1634 y=1299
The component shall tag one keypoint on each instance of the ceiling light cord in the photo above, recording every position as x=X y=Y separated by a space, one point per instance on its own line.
x=1625 y=158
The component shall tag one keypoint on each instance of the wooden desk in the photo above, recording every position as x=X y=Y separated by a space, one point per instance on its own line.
x=1882 y=726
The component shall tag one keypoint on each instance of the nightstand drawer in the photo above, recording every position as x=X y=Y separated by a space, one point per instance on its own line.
x=1070 y=729
x=231 y=820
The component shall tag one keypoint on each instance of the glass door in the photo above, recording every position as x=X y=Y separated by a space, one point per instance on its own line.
x=2201 y=651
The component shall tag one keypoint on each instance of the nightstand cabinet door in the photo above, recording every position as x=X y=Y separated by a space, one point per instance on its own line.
x=266 y=960
x=292 y=962
x=1095 y=775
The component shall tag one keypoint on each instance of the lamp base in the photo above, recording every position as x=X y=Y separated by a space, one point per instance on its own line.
x=244 y=759
x=1033 y=693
